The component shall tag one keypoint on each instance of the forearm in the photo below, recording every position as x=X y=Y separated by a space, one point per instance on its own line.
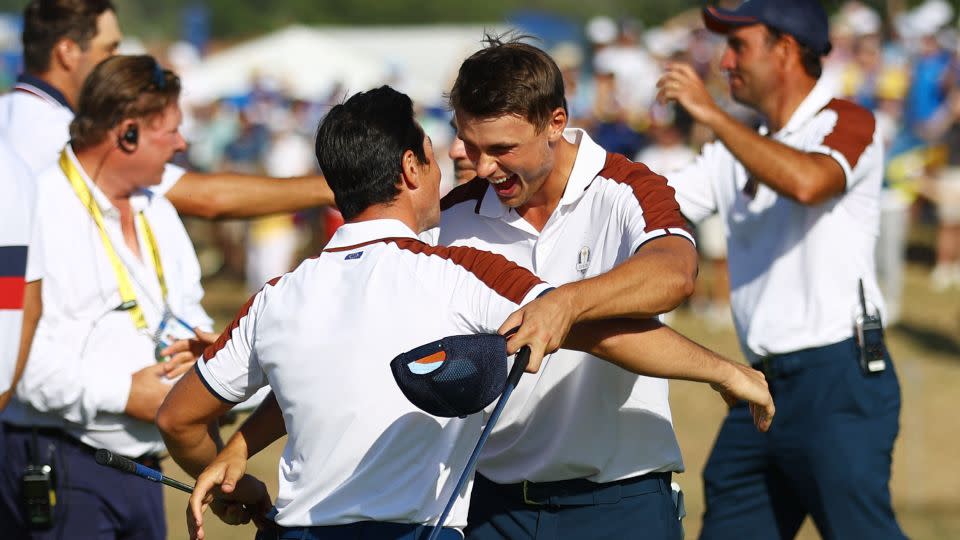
x=227 y=195
x=264 y=426
x=790 y=172
x=649 y=348
x=188 y=422
x=655 y=280
x=195 y=447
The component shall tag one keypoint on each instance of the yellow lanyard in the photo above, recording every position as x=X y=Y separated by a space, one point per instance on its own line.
x=127 y=295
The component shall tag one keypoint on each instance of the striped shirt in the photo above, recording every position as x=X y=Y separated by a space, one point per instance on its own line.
x=16 y=209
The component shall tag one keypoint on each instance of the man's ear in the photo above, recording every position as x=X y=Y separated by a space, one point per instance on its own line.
x=788 y=48
x=556 y=124
x=66 y=53
x=410 y=170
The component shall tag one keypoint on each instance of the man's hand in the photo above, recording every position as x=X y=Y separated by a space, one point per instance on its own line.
x=748 y=384
x=543 y=325
x=147 y=392
x=681 y=83
x=189 y=349
x=183 y=354
x=239 y=497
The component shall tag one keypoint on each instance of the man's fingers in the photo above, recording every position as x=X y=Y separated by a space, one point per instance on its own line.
x=513 y=321
x=205 y=338
x=179 y=346
x=231 y=476
x=536 y=359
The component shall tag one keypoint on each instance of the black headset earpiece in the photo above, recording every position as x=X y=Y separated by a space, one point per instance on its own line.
x=128 y=141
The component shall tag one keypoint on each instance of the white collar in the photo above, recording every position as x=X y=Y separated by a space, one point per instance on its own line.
x=138 y=201
x=818 y=98
x=365 y=232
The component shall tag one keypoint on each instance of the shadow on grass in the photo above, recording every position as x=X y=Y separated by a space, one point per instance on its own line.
x=929 y=339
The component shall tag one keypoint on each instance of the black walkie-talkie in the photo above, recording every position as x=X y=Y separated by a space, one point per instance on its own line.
x=38 y=494
x=869 y=330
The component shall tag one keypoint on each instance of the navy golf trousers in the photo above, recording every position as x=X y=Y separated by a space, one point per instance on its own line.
x=827 y=454
x=639 y=507
x=93 y=502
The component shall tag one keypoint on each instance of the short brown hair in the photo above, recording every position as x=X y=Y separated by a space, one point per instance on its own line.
x=811 y=61
x=121 y=87
x=45 y=22
x=509 y=77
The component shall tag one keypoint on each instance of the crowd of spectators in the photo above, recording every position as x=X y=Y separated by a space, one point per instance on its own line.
x=904 y=66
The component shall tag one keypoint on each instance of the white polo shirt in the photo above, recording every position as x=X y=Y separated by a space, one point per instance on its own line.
x=323 y=337
x=84 y=351
x=35 y=117
x=579 y=417
x=16 y=210
x=794 y=268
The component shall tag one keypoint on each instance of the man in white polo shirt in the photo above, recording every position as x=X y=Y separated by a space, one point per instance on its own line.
x=118 y=274
x=62 y=42
x=799 y=201
x=584 y=450
x=360 y=458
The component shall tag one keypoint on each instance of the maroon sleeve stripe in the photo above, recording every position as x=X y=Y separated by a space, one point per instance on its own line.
x=224 y=338
x=658 y=202
x=505 y=277
x=470 y=191
x=853 y=131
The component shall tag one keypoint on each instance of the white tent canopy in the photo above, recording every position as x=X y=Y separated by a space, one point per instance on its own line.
x=309 y=63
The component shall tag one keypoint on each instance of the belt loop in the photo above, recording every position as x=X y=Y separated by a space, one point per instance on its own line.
x=610 y=494
x=526 y=499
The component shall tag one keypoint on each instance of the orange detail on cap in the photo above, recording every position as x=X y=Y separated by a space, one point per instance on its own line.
x=439 y=356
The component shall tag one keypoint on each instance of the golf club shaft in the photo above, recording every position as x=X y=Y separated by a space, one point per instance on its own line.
x=519 y=364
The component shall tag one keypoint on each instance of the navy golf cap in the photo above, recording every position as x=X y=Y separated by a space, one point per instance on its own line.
x=805 y=20
x=453 y=376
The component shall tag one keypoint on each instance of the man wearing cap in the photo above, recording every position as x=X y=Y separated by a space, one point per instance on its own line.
x=361 y=459
x=799 y=201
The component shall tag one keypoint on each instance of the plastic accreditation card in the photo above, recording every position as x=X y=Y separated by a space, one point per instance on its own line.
x=170 y=329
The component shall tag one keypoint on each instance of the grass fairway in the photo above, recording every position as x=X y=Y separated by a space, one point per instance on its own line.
x=926 y=481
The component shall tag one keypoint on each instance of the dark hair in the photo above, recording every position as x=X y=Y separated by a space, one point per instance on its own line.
x=45 y=22
x=119 y=88
x=509 y=77
x=812 y=61
x=360 y=144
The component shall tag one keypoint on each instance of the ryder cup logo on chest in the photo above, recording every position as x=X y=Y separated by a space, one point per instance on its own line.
x=583 y=261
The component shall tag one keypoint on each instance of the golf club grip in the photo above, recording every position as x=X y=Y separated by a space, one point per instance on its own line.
x=109 y=459
x=519 y=364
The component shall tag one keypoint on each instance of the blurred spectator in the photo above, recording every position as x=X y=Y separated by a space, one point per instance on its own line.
x=272 y=241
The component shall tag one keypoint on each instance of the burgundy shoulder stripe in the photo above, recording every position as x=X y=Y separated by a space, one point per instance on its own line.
x=507 y=278
x=470 y=191
x=657 y=200
x=853 y=131
x=224 y=338
x=355 y=246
